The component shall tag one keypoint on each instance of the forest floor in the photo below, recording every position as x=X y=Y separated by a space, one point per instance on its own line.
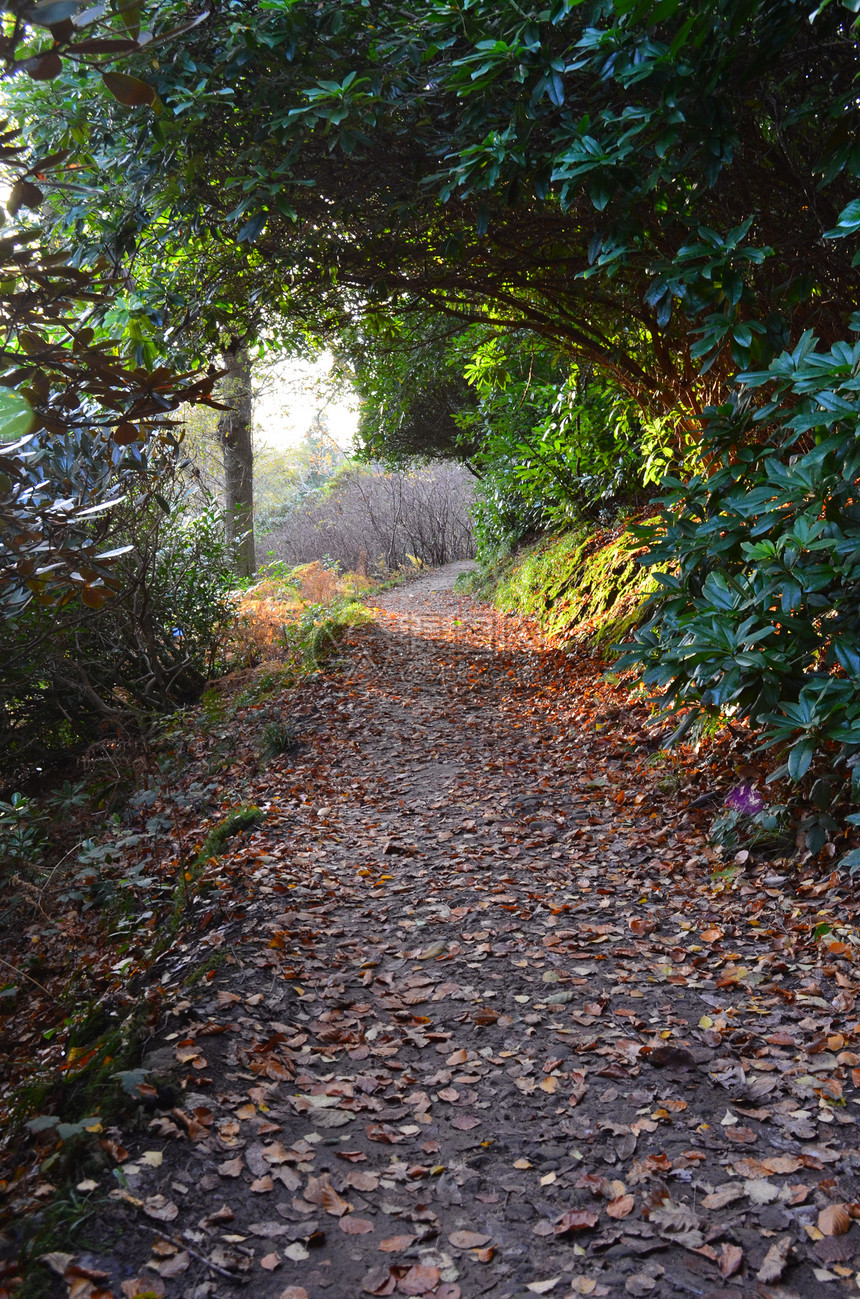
x=493 y=1016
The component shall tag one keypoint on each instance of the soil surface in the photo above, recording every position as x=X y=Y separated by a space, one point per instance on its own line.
x=487 y=1022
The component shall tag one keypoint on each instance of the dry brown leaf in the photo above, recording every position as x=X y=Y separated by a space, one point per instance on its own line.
x=174 y=1266
x=723 y=1195
x=356 y=1226
x=576 y=1220
x=232 y=1167
x=160 y=1208
x=775 y=1260
x=730 y=1260
x=468 y=1239
x=320 y=1191
x=56 y=1261
x=782 y=1163
x=224 y=1214
x=165 y=1248
x=379 y=1281
x=741 y=1135
x=393 y=1244
x=621 y=1206
x=834 y=1220
x=361 y=1181
x=420 y=1278
x=333 y=1203
x=270 y=1262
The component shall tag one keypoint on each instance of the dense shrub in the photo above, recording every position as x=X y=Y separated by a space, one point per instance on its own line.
x=759 y=616
x=72 y=674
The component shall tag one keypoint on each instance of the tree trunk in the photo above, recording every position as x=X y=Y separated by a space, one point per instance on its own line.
x=234 y=434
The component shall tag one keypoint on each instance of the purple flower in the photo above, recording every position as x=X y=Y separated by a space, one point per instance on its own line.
x=745 y=799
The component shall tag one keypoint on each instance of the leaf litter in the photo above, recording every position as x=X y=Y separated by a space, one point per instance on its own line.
x=494 y=1017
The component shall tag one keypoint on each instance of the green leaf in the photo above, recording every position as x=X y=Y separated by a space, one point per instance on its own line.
x=851 y=860
x=43 y=1122
x=131 y=1079
x=849 y=221
x=800 y=757
x=16 y=417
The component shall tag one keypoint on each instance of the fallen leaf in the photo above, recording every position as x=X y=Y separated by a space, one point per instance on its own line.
x=419 y=1279
x=834 y=1220
x=741 y=1135
x=723 y=1195
x=760 y=1191
x=468 y=1239
x=379 y=1281
x=576 y=1220
x=393 y=1244
x=175 y=1266
x=160 y=1208
x=356 y=1226
x=775 y=1260
x=320 y=1191
x=224 y=1214
x=730 y=1259
x=232 y=1168
x=621 y=1206
x=270 y=1261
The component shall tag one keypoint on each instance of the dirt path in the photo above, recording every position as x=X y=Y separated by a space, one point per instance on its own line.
x=486 y=1025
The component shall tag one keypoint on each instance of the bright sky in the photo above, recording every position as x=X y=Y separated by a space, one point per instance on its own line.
x=292 y=393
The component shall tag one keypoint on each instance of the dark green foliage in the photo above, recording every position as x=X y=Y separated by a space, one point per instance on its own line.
x=279 y=737
x=74 y=674
x=759 y=615
x=634 y=183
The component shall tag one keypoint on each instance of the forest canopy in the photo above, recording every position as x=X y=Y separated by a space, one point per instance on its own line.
x=661 y=196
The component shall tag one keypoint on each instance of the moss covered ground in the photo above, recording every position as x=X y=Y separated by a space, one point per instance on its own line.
x=581 y=587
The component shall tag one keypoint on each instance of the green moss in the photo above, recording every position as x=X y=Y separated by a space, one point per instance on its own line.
x=205 y=968
x=244 y=818
x=579 y=590
x=191 y=876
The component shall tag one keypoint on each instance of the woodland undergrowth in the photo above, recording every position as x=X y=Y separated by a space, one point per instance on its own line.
x=114 y=927
x=109 y=872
